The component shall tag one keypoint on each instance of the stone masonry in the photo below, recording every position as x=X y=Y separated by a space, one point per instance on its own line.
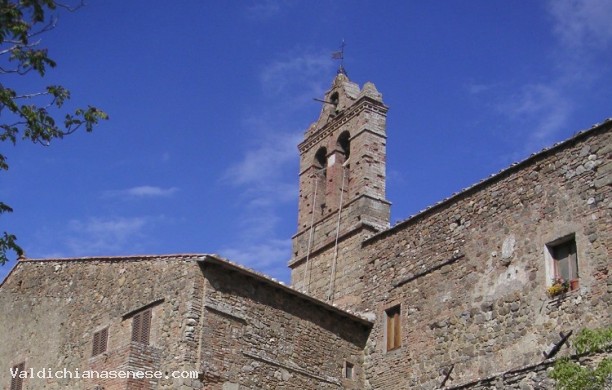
x=342 y=190
x=50 y=310
x=468 y=275
x=263 y=338
x=471 y=273
x=232 y=327
x=454 y=297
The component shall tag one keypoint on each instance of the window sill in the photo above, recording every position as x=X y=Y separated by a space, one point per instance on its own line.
x=393 y=351
x=573 y=290
x=560 y=299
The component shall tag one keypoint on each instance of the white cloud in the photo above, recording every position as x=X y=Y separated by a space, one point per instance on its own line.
x=142 y=192
x=278 y=193
x=582 y=23
x=297 y=77
x=539 y=109
x=262 y=165
x=264 y=9
x=103 y=235
x=267 y=171
x=267 y=177
x=269 y=257
x=545 y=106
x=475 y=89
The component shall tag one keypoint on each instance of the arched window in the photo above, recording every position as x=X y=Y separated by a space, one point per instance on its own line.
x=344 y=143
x=321 y=158
x=344 y=147
x=320 y=165
x=334 y=99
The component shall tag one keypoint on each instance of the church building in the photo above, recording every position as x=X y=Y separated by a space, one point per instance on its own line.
x=482 y=290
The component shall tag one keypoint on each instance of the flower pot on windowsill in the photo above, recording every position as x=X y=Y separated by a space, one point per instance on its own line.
x=574 y=285
x=559 y=287
x=555 y=290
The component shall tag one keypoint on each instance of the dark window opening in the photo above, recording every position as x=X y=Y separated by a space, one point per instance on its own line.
x=348 y=370
x=334 y=99
x=393 y=316
x=321 y=158
x=16 y=381
x=141 y=326
x=100 y=342
x=565 y=261
x=344 y=142
x=320 y=178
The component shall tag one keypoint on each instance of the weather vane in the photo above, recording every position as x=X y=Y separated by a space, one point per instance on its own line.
x=339 y=55
x=336 y=55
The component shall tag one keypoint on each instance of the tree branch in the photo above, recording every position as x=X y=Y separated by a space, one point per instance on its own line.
x=21 y=21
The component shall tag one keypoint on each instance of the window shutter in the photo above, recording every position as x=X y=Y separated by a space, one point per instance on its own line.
x=396 y=331
x=96 y=344
x=17 y=382
x=136 y=320
x=390 y=329
x=103 y=340
x=146 y=326
x=393 y=328
x=141 y=327
x=565 y=260
x=100 y=341
x=573 y=260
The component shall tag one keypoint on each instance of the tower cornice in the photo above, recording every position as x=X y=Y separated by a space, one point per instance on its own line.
x=365 y=103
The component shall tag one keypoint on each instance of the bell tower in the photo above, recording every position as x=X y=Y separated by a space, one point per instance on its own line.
x=342 y=191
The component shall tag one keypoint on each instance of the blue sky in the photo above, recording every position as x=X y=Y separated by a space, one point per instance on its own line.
x=208 y=100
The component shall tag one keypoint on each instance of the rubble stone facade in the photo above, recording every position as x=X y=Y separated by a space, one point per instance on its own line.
x=221 y=325
x=471 y=273
x=454 y=297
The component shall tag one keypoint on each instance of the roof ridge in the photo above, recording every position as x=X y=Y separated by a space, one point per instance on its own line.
x=117 y=257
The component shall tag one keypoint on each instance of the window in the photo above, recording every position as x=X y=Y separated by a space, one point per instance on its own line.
x=565 y=261
x=393 y=328
x=344 y=142
x=16 y=381
x=334 y=99
x=141 y=326
x=348 y=370
x=320 y=177
x=321 y=160
x=100 y=340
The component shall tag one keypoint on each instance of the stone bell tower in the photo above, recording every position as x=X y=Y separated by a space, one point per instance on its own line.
x=342 y=192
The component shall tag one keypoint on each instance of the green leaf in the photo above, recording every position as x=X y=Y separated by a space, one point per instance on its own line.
x=570 y=375
x=32 y=115
x=7 y=243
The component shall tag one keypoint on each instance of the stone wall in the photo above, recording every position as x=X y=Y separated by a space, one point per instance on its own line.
x=342 y=283
x=533 y=376
x=346 y=200
x=233 y=328
x=471 y=273
x=51 y=309
x=257 y=336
